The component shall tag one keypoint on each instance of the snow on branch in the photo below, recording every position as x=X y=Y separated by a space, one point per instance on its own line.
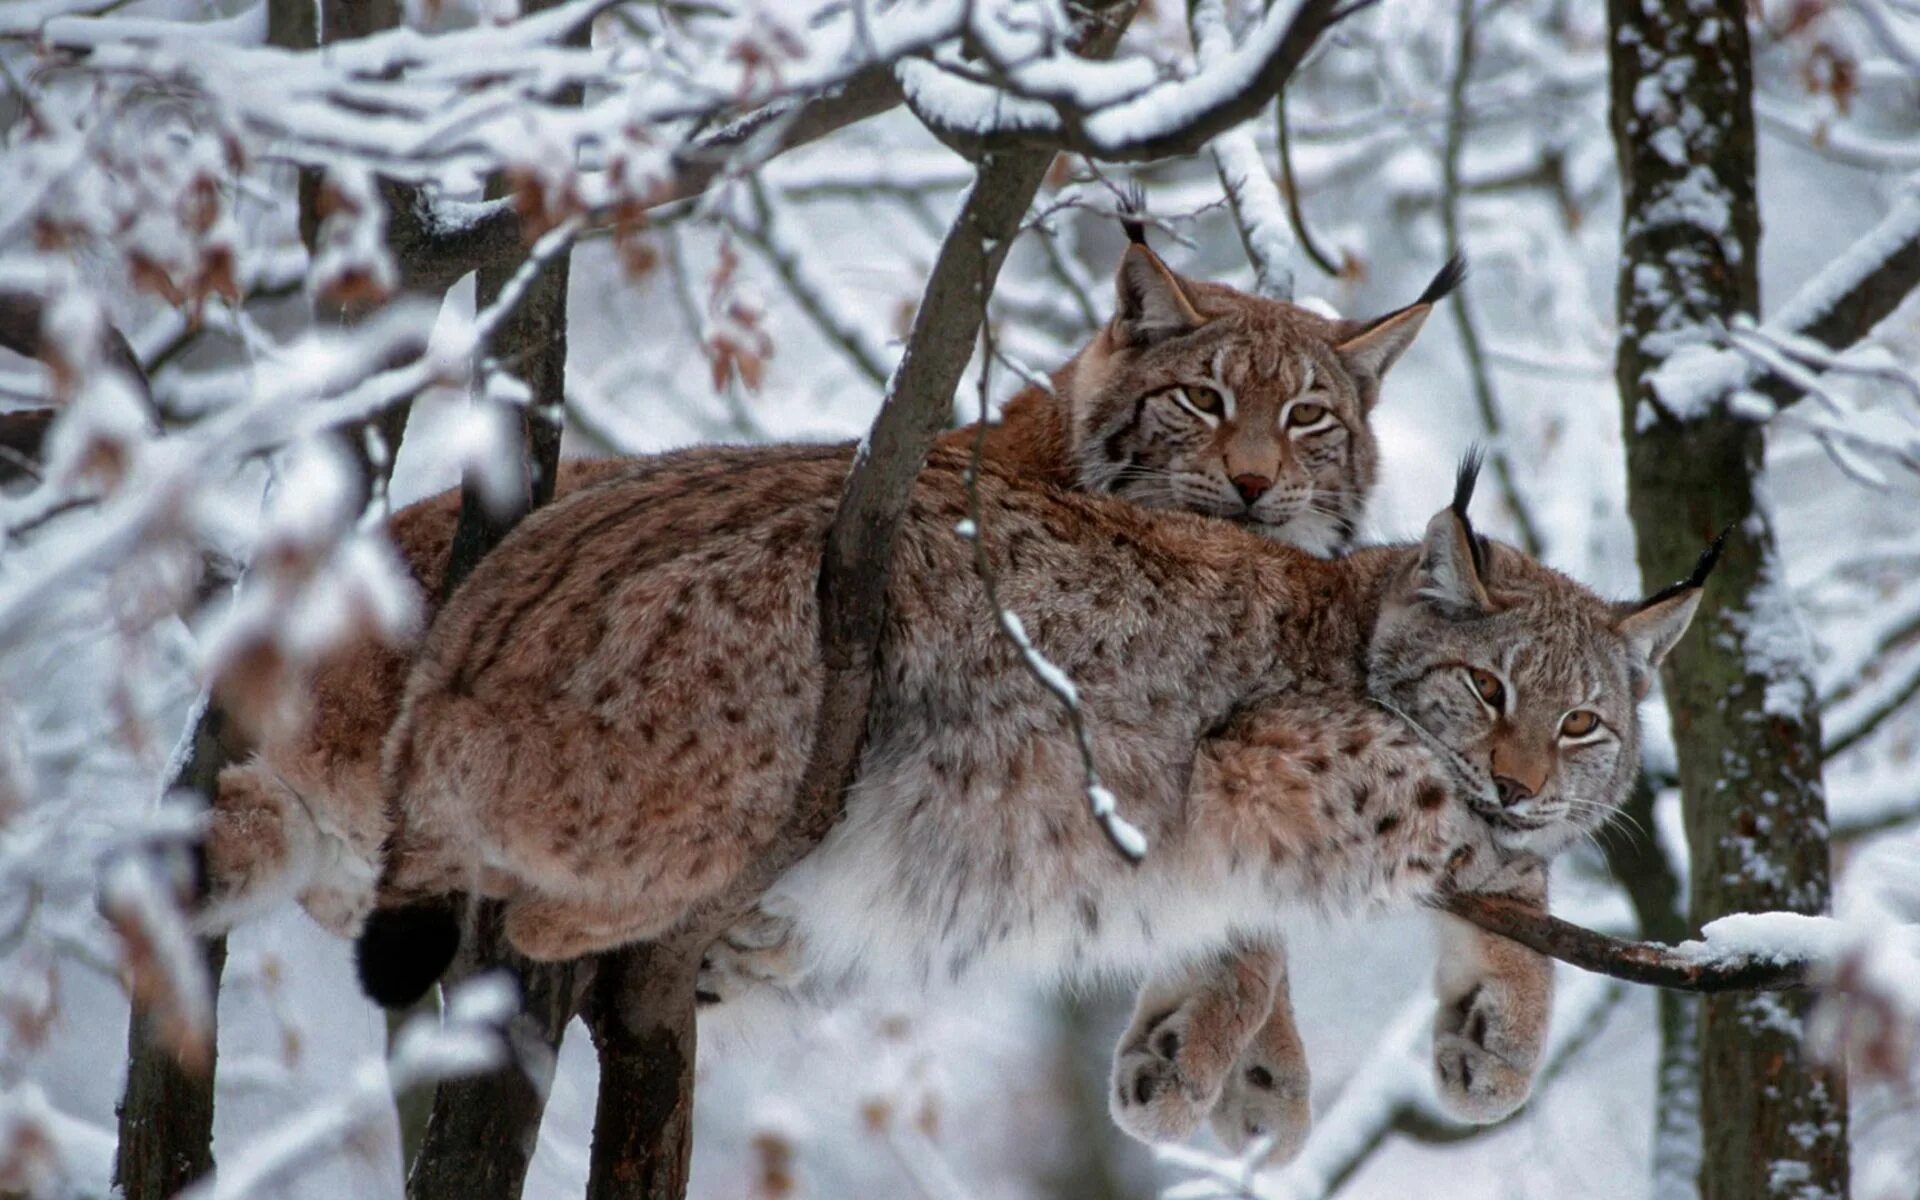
x=1081 y=115
x=1835 y=309
x=1745 y=952
x=1252 y=196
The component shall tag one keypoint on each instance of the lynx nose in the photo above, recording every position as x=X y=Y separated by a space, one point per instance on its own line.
x=1512 y=791
x=1251 y=487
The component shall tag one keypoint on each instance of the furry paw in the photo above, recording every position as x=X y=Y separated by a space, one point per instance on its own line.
x=1476 y=1081
x=759 y=952
x=1154 y=1098
x=1265 y=1097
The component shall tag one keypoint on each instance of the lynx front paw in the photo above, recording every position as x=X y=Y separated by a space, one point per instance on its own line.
x=760 y=952
x=1476 y=1081
x=1155 y=1097
x=1265 y=1098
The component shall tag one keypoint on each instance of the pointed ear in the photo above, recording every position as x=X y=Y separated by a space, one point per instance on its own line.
x=1153 y=306
x=1653 y=626
x=1371 y=352
x=1651 y=630
x=1452 y=568
x=1369 y=349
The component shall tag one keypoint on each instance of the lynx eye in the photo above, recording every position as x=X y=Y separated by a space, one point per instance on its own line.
x=1487 y=686
x=1580 y=723
x=1202 y=400
x=1302 y=415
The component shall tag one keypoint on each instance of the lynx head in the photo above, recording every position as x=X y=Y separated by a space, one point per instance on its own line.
x=1525 y=683
x=1199 y=397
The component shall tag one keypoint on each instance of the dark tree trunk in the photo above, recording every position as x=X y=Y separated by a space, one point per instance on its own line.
x=641 y=1018
x=165 y=1113
x=481 y=1131
x=1773 y=1122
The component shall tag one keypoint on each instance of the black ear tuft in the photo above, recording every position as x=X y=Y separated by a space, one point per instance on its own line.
x=1702 y=567
x=1133 y=203
x=1450 y=277
x=1463 y=485
x=1465 y=479
x=404 y=951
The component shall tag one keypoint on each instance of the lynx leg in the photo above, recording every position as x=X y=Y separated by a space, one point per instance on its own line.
x=1188 y=1029
x=1267 y=1093
x=1495 y=1000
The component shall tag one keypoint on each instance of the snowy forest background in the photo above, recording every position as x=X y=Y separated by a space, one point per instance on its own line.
x=172 y=174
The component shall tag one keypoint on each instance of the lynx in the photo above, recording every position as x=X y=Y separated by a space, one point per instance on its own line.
x=1266 y=425
x=609 y=720
x=1189 y=388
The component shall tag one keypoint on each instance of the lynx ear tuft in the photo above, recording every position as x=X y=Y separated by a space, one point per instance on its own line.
x=1133 y=203
x=1153 y=304
x=1453 y=560
x=1450 y=276
x=1655 y=625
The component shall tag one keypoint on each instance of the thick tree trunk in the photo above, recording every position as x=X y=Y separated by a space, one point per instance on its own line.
x=641 y=1018
x=482 y=1130
x=166 y=1112
x=1773 y=1122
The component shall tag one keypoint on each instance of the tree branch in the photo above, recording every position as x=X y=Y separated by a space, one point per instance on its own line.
x=1163 y=122
x=1636 y=962
x=1252 y=197
x=434 y=254
x=1836 y=308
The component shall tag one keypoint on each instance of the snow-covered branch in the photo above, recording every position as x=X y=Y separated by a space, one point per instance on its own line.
x=1127 y=839
x=1747 y=952
x=1172 y=118
x=1836 y=308
x=1252 y=196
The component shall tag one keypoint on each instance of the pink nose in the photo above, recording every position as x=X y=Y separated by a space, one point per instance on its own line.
x=1251 y=487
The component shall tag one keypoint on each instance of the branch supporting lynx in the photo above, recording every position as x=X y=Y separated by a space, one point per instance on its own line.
x=1649 y=963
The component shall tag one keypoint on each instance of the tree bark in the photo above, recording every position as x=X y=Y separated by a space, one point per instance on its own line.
x=482 y=1129
x=1773 y=1120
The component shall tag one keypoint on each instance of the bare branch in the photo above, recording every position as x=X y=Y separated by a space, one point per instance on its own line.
x=1636 y=962
x=769 y=236
x=1291 y=189
x=1470 y=346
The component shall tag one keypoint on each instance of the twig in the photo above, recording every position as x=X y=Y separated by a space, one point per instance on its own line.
x=1295 y=215
x=808 y=291
x=1470 y=345
x=1252 y=199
